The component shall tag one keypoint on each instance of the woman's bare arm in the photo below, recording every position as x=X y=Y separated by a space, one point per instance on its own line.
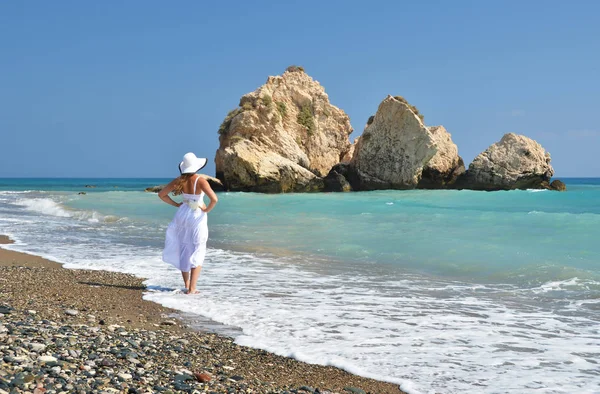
x=205 y=186
x=164 y=193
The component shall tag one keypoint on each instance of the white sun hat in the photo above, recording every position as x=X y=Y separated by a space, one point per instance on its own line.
x=191 y=164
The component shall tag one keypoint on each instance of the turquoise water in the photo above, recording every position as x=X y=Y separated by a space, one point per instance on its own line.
x=436 y=290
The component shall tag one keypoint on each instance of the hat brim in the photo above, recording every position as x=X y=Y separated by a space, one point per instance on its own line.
x=194 y=167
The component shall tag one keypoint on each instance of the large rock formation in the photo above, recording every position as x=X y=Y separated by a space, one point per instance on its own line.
x=393 y=149
x=284 y=137
x=515 y=162
x=446 y=165
x=397 y=151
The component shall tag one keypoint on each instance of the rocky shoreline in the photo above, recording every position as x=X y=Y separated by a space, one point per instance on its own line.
x=82 y=331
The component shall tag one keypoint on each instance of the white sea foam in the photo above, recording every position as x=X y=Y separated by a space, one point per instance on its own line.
x=44 y=206
x=50 y=207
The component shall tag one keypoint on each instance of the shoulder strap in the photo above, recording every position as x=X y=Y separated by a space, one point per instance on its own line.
x=195 y=183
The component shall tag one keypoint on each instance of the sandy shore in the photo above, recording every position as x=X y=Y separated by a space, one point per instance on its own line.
x=90 y=331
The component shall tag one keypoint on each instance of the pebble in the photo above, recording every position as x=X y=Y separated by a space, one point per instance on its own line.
x=47 y=359
x=354 y=390
x=124 y=376
x=202 y=377
x=71 y=312
x=37 y=347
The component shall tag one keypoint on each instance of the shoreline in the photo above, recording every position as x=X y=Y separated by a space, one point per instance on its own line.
x=41 y=293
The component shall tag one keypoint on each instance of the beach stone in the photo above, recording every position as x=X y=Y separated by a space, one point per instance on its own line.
x=124 y=376
x=71 y=312
x=183 y=378
x=307 y=388
x=202 y=377
x=37 y=347
x=168 y=323
x=107 y=362
x=237 y=378
x=47 y=359
x=354 y=390
x=31 y=312
x=18 y=380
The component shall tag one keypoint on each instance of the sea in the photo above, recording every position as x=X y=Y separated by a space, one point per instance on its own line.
x=438 y=291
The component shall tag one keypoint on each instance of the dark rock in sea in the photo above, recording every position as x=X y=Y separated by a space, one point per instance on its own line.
x=558 y=186
x=90 y=186
x=335 y=181
x=155 y=189
x=82 y=193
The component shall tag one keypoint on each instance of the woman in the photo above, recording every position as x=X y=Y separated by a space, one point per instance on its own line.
x=185 y=242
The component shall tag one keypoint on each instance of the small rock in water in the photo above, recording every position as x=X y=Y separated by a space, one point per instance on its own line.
x=71 y=312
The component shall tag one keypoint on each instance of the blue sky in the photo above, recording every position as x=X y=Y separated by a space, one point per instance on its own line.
x=124 y=89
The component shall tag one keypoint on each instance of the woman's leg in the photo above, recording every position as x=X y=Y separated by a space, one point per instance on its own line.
x=186 y=279
x=193 y=279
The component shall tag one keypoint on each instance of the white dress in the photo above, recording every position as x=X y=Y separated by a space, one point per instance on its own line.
x=185 y=242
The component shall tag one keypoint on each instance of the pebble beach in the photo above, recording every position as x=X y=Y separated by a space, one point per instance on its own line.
x=88 y=331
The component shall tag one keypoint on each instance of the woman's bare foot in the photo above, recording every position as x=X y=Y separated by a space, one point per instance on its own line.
x=193 y=291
